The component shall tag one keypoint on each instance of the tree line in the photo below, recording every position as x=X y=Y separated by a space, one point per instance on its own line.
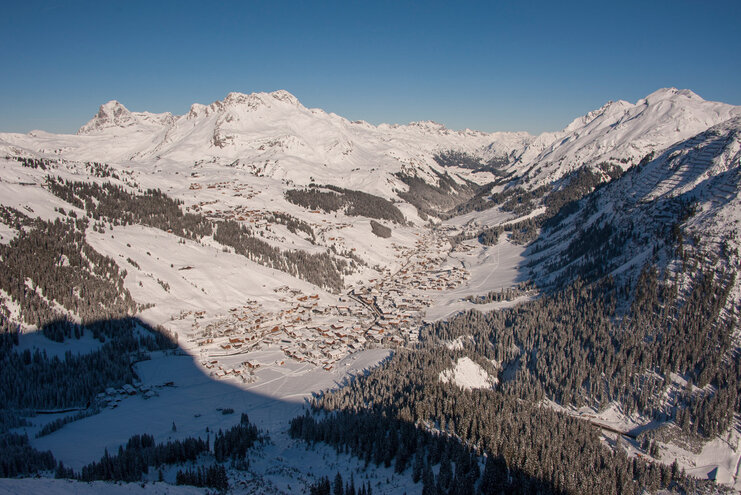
x=336 y=487
x=354 y=203
x=141 y=453
x=153 y=208
x=402 y=415
x=435 y=199
x=50 y=264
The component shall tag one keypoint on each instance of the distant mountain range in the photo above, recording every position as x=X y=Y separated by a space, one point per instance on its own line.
x=274 y=134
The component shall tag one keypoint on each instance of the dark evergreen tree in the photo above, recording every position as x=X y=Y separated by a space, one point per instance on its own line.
x=337 y=487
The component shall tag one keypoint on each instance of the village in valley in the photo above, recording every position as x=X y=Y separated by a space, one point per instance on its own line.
x=320 y=330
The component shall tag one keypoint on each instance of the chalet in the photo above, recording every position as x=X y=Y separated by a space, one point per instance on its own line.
x=333 y=353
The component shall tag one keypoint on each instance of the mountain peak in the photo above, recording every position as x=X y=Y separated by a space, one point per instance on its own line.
x=252 y=101
x=113 y=107
x=114 y=114
x=109 y=114
x=255 y=100
x=428 y=125
x=284 y=96
x=669 y=93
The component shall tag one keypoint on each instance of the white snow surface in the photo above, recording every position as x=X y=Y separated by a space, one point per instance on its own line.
x=273 y=134
x=194 y=402
x=621 y=133
x=491 y=268
x=467 y=374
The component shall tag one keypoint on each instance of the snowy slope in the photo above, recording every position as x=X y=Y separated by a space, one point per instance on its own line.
x=467 y=374
x=645 y=203
x=267 y=134
x=621 y=133
x=274 y=135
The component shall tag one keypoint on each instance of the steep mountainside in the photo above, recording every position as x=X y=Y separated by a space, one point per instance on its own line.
x=619 y=133
x=684 y=200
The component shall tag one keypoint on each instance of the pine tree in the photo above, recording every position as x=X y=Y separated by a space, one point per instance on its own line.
x=337 y=486
x=350 y=487
x=419 y=464
x=445 y=475
x=428 y=481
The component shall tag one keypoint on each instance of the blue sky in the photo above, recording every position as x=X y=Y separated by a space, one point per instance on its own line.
x=491 y=66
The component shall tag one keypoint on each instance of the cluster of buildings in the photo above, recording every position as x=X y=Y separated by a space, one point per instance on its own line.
x=112 y=397
x=310 y=329
x=307 y=330
x=238 y=190
x=399 y=299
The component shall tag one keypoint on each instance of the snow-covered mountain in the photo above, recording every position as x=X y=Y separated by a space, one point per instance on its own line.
x=690 y=189
x=114 y=115
x=271 y=135
x=620 y=133
x=274 y=135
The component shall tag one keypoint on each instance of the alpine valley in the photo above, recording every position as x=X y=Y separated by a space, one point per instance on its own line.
x=259 y=297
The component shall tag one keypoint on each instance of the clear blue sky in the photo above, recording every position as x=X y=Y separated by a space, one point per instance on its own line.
x=492 y=65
